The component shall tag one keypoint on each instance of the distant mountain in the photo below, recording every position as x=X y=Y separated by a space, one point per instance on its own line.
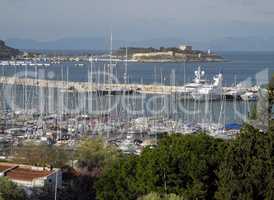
x=222 y=44
x=158 y=42
x=64 y=44
x=243 y=44
x=94 y=43
x=7 y=52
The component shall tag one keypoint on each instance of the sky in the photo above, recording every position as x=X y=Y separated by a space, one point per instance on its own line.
x=201 y=20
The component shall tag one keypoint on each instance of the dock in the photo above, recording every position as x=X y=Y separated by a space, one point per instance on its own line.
x=90 y=87
x=105 y=87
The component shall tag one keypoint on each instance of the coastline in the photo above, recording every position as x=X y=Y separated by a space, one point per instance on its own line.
x=178 y=60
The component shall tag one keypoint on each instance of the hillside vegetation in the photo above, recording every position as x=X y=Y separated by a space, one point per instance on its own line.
x=7 y=52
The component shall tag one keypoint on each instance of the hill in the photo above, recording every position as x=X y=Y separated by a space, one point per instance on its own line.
x=102 y=43
x=7 y=52
x=169 y=54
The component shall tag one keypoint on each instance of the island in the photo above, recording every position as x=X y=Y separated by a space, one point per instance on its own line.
x=183 y=53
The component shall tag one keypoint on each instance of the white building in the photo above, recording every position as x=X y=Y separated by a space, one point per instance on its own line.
x=137 y=56
x=185 y=47
x=31 y=176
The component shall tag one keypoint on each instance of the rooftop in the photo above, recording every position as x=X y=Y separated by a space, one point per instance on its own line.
x=26 y=174
x=6 y=166
x=23 y=172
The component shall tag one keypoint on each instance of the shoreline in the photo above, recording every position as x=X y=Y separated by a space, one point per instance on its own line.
x=177 y=61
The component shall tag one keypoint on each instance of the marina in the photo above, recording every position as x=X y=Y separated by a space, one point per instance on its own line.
x=128 y=115
x=198 y=89
x=136 y=100
x=23 y=63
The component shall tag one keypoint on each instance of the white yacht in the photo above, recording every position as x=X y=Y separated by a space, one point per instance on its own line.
x=212 y=91
x=197 y=82
x=200 y=89
x=249 y=96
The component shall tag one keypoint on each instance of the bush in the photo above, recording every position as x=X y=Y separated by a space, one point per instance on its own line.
x=183 y=165
x=247 y=171
x=10 y=191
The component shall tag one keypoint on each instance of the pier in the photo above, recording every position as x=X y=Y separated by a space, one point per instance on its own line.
x=106 y=87
x=91 y=87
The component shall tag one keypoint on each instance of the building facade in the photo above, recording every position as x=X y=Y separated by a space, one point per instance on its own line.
x=31 y=176
x=185 y=48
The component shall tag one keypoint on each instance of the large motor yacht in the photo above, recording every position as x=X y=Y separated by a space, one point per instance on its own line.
x=201 y=89
x=212 y=91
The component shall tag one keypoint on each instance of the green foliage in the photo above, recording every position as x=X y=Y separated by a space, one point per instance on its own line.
x=9 y=191
x=7 y=52
x=81 y=188
x=156 y=196
x=186 y=165
x=118 y=181
x=41 y=155
x=253 y=112
x=94 y=153
x=151 y=196
x=247 y=170
x=182 y=165
x=173 y=197
x=179 y=167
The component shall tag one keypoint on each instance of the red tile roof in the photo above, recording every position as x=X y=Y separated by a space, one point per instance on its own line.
x=23 y=172
x=6 y=166
x=26 y=174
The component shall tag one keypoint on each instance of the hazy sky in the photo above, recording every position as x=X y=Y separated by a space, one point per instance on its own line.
x=136 y=19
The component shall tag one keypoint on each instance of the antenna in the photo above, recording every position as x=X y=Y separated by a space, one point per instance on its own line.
x=110 y=60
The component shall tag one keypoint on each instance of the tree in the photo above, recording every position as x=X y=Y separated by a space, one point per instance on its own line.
x=80 y=188
x=156 y=196
x=41 y=155
x=247 y=171
x=151 y=196
x=183 y=165
x=94 y=154
x=271 y=93
x=118 y=181
x=162 y=49
x=10 y=191
x=271 y=102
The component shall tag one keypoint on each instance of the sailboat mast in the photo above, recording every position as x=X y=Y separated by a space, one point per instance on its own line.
x=110 y=77
x=91 y=82
x=125 y=75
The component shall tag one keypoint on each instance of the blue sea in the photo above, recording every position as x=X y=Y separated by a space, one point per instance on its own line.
x=252 y=67
x=237 y=67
